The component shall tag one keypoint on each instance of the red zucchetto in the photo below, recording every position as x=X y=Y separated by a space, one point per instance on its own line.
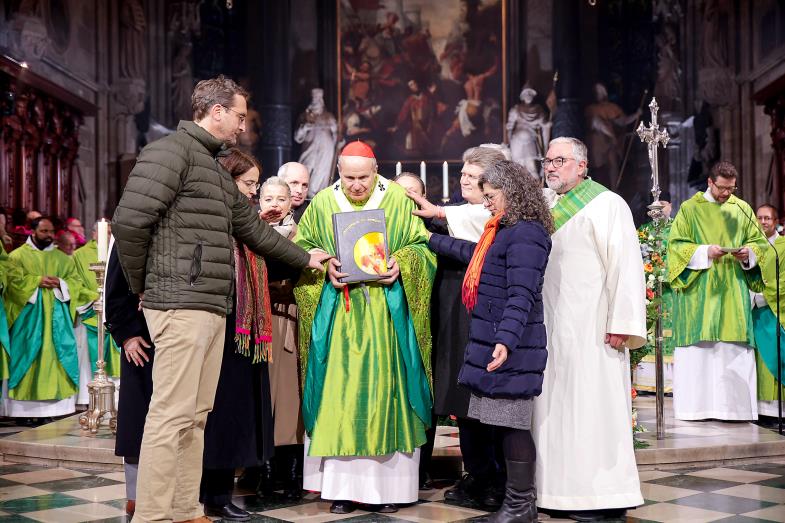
x=358 y=148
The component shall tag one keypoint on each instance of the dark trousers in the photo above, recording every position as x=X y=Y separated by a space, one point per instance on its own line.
x=426 y=451
x=217 y=487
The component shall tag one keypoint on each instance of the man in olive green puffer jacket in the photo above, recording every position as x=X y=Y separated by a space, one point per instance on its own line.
x=173 y=229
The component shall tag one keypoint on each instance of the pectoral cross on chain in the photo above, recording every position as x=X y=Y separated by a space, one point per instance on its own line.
x=653 y=136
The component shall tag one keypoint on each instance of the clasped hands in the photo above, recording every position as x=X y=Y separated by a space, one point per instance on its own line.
x=335 y=274
x=742 y=255
x=49 y=282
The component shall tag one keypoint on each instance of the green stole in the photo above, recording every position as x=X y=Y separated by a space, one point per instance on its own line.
x=27 y=336
x=764 y=320
x=575 y=200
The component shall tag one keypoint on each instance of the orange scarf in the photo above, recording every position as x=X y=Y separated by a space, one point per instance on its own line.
x=472 y=279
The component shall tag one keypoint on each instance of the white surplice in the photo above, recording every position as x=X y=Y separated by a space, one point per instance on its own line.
x=582 y=425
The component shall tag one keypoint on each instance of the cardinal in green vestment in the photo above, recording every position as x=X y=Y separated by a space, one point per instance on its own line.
x=83 y=257
x=40 y=302
x=714 y=251
x=365 y=348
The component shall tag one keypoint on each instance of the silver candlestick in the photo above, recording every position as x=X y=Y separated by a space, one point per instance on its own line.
x=101 y=389
x=653 y=137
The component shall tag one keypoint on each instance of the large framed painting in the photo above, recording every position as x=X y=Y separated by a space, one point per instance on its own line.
x=422 y=79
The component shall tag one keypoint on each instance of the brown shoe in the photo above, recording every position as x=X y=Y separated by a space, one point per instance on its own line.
x=203 y=519
x=130 y=507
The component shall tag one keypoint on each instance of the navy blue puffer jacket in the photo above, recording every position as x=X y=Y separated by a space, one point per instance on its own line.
x=509 y=310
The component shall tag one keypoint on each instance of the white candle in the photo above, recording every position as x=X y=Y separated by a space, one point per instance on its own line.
x=445 y=181
x=422 y=172
x=103 y=240
x=398 y=169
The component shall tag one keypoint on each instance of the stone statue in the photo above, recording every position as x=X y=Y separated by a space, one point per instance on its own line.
x=133 y=53
x=605 y=122
x=129 y=97
x=716 y=84
x=318 y=132
x=529 y=131
x=184 y=23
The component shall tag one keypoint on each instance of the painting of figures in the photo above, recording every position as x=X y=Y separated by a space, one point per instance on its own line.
x=421 y=79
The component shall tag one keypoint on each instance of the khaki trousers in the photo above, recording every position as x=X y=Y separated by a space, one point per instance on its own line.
x=188 y=351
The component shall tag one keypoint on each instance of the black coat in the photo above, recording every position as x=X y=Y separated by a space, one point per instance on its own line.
x=509 y=310
x=125 y=321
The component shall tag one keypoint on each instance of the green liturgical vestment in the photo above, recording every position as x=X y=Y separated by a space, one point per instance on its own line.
x=765 y=321
x=5 y=341
x=83 y=257
x=366 y=389
x=713 y=304
x=43 y=355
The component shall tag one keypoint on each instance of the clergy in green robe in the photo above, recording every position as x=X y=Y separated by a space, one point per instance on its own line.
x=40 y=302
x=366 y=391
x=764 y=308
x=87 y=321
x=714 y=248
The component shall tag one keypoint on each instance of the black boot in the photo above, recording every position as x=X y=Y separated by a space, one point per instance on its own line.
x=468 y=490
x=293 y=487
x=266 y=487
x=520 y=496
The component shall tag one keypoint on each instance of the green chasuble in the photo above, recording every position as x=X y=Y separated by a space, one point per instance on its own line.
x=5 y=342
x=713 y=304
x=765 y=320
x=366 y=374
x=43 y=356
x=83 y=257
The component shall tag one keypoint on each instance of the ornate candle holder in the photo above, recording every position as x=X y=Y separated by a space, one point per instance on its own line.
x=101 y=389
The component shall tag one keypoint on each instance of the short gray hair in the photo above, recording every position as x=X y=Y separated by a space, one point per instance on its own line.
x=578 y=147
x=502 y=148
x=276 y=181
x=483 y=157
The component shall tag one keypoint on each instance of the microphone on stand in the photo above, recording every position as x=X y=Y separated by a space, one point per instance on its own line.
x=776 y=323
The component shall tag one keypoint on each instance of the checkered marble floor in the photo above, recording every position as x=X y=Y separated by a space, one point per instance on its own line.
x=742 y=493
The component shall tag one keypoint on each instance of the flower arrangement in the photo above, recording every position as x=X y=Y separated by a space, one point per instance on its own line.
x=654 y=269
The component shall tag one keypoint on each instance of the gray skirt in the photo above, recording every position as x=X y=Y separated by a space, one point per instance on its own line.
x=502 y=412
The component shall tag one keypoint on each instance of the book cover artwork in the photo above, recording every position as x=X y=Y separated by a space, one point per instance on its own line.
x=361 y=244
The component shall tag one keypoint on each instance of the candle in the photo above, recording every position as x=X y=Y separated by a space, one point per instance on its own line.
x=445 y=181
x=398 y=169
x=422 y=172
x=103 y=240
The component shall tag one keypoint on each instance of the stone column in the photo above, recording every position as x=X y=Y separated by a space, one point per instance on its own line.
x=568 y=120
x=269 y=33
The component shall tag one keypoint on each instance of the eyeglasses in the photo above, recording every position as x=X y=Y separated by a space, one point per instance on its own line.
x=490 y=198
x=251 y=185
x=557 y=162
x=722 y=188
x=240 y=115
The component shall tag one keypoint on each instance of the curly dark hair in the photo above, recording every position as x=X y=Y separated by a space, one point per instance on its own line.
x=522 y=193
x=724 y=169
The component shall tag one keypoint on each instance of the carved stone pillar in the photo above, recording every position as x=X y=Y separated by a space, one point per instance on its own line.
x=270 y=80
x=566 y=56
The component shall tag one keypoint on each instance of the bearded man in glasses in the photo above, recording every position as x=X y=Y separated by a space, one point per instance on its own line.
x=594 y=299
x=713 y=253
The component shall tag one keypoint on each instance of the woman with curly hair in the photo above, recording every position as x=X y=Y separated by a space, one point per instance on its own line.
x=506 y=354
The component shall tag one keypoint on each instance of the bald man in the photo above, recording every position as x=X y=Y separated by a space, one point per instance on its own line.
x=297 y=177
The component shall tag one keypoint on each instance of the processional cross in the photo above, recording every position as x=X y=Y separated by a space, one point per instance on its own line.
x=653 y=137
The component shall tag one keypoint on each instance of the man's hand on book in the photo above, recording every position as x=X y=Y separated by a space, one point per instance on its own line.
x=335 y=274
x=393 y=271
x=317 y=260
